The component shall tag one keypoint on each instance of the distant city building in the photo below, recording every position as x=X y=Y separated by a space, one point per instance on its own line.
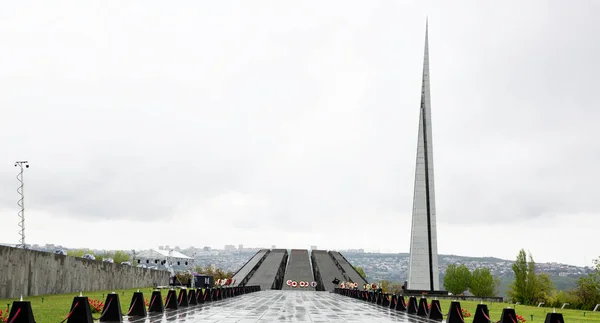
x=230 y=247
x=241 y=247
x=158 y=258
x=206 y=248
x=354 y=251
x=314 y=248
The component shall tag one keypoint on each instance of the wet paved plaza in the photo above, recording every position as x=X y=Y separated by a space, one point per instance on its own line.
x=284 y=306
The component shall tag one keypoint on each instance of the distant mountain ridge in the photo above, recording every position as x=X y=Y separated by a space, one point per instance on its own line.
x=394 y=267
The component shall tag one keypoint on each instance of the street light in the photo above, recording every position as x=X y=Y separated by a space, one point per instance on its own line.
x=21 y=201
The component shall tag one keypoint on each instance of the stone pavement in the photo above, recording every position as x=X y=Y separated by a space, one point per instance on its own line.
x=284 y=306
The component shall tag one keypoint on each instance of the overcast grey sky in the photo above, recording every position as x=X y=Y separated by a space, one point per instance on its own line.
x=294 y=123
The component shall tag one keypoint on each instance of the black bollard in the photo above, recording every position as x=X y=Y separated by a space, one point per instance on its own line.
x=412 y=306
x=401 y=305
x=385 y=302
x=482 y=314
x=219 y=293
x=393 y=301
x=508 y=316
x=435 y=311
x=112 y=309
x=21 y=312
x=455 y=313
x=156 y=303
x=80 y=311
x=551 y=318
x=183 y=299
x=199 y=296
x=172 y=300
x=192 y=298
x=422 y=309
x=137 y=306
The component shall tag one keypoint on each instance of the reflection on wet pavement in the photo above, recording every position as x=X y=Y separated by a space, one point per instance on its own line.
x=284 y=306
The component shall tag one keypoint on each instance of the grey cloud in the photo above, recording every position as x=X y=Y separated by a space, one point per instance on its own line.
x=156 y=111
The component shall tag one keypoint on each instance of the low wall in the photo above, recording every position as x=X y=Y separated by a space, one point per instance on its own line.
x=31 y=273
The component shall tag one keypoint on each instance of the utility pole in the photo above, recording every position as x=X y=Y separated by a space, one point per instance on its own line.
x=21 y=202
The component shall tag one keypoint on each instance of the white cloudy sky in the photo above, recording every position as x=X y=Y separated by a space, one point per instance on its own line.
x=295 y=123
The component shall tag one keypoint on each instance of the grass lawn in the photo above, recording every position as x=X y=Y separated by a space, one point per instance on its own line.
x=539 y=314
x=55 y=308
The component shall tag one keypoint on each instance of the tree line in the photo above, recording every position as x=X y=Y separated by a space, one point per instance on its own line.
x=480 y=282
x=531 y=288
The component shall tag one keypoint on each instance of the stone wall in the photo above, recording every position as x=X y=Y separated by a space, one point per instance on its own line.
x=31 y=273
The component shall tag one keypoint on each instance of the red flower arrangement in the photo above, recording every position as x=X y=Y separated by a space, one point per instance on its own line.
x=520 y=319
x=96 y=306
x=4 y=316
x=146 y=302
x=465 y=313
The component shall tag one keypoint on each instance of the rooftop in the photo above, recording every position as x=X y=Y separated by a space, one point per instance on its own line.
x=161 y=254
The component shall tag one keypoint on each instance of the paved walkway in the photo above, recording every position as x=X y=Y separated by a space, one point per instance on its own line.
x=285 y=306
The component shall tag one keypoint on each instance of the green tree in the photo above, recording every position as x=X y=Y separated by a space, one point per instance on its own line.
x=483 y=283
x=557 y=298
x=78 y=253
x=587 y=292
x=385 y=285
x=529 y=288
x=361 y=272
x=457 y=279
x=217 y=273
x=395 y=289
x=518 y=289
x=121 y=256
x=543 y=289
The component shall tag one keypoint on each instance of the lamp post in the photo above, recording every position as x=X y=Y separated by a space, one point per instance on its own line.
x=21 y=202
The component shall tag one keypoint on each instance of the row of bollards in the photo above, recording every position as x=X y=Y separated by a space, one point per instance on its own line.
x=81 y=312
x=433 y=311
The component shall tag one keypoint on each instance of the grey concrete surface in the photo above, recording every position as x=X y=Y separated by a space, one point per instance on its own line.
x=31 y=273
x=266 y=273
x=247 y=268
x=423 y=233
x=284 y=306
x=350 y=272
x=327 y=268
x=298 y=269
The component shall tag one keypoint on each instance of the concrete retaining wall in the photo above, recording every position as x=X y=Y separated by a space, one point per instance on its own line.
x=31 y=273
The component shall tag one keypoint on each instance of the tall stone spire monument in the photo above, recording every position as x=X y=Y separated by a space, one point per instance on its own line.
x=423 y=268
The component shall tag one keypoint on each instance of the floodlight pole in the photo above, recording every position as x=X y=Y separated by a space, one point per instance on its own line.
x=21 y=202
